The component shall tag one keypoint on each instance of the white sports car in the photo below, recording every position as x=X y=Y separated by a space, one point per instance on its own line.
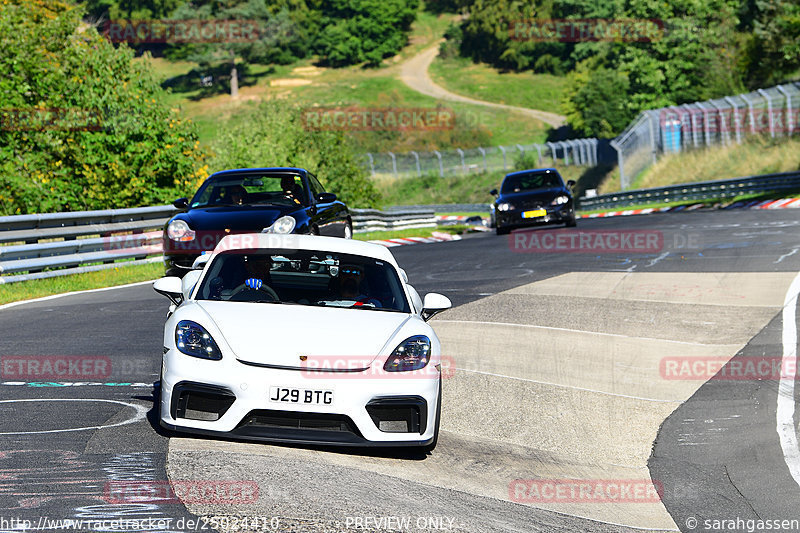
x=297 y=338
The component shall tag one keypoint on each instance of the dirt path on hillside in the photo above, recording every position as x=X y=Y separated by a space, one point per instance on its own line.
x=414 y=73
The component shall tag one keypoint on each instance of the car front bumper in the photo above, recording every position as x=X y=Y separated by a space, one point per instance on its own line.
x=553 y=215
x=195 y=391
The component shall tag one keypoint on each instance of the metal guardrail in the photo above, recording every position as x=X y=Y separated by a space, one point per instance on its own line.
x=57 y=244
x=703 y=190
x=373 y=220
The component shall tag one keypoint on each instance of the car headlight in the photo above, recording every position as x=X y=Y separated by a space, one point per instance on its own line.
x=192 y=339
x=412 y=354
x=284 y=224
x=560 y=200
x=505 y=206
x=178 y=230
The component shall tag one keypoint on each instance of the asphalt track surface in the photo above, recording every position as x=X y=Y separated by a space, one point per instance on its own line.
x=559 y=375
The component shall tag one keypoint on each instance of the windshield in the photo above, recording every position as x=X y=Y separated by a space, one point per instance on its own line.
x=248 y=189
x=304 y=277
x=530 y=182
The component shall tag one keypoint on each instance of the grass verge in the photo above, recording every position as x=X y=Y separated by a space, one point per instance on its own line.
x=535 y=91
x=757 y=155
x=455 y=229
x=26 y=290
x=431 y=189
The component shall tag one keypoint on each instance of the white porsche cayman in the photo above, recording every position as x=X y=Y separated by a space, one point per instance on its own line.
x=297 y=338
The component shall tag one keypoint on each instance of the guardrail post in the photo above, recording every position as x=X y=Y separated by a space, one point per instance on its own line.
x=620 y=164
x=552 y=152
x=706 y=128
x=766 y=97
x=564 y=146
x=463 y=164
x=416 y=158
x=653 y=146
x=737 y=122
x=505 y=165
x=724 y=134
x=441 y=167
x=539 y=157
x=788 y=96
x=751 y=112
x=371 y=164
x=692 y=124
x=394 y=164
x=483 y=153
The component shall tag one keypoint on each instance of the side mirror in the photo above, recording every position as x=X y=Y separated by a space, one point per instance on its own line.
x=181 y=203
x=169 y=287
x=571 y=183
x=326 y=197
x=201 y=261
x=189 y=281
x=433 y=304
x=493 y=192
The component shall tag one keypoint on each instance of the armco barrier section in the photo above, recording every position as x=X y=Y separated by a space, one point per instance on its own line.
x=57 y=244
x=703 y=190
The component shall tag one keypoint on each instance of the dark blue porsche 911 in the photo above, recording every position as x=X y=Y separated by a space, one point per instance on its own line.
x=251 y=200
x=532 y=197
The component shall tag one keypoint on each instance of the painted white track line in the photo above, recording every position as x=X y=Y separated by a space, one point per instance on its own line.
x=785 y=411
x=54 y=296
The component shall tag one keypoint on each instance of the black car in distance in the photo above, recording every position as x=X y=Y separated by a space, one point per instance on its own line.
x=531 y=198
x=251 y=200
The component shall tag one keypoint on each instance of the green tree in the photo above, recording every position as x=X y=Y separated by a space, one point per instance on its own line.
x=773 y=49
x=275 y=135
x=356 y=31
x=596 y=101
x=272 y=41
x=83 y=126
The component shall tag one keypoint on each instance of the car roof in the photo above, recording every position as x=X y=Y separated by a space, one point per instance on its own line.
x=533 y=170
x=264 y=170
x=251 y=241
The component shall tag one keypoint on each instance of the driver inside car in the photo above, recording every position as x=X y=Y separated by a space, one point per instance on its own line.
x=350 y=286
x=291 y=190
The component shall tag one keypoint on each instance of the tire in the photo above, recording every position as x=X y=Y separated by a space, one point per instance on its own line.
x=429 y=448
x=502 y=230
x=348 y=230
x=572 y=221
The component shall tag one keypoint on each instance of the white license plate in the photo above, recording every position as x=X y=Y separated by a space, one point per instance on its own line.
x=301 y=396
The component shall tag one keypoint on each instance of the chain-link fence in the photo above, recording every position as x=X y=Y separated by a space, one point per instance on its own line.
x=774 y=112
x=461 y=162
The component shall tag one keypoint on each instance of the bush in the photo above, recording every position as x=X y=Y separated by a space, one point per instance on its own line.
x=112 y=142
x=274 y=135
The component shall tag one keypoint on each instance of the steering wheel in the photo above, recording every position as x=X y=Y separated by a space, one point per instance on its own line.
x=266 y=289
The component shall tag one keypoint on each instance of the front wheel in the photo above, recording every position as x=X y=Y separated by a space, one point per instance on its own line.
x=572 y=222
x=348 y=230
x=501 y=230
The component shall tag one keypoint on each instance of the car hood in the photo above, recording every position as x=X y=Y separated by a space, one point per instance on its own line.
x=236 y=218
x=278 y=334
